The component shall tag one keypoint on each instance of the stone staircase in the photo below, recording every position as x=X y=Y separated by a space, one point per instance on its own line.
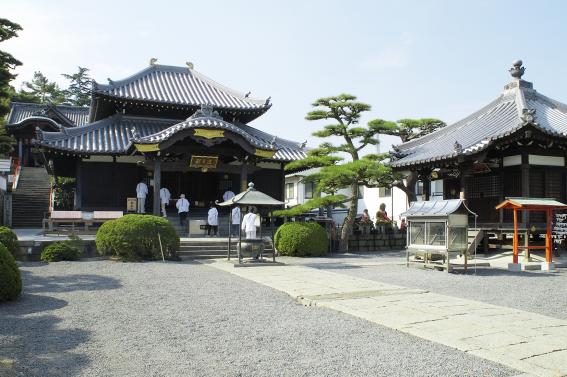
x=30 y=200
x=475 y=237
x=209 y=248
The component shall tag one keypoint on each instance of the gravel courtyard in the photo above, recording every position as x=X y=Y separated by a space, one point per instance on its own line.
x=101 y=318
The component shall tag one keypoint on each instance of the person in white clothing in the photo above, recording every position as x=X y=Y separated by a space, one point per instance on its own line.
x=183 y=208
x=249 y=223
x=164 y=197
x=227 y=195
x=212 y=221
x=235 y=220
x=141 y=193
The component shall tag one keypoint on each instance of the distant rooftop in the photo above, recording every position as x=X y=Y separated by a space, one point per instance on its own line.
x=66 y=115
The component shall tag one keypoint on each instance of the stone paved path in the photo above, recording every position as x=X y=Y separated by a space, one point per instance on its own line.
x=529 y=342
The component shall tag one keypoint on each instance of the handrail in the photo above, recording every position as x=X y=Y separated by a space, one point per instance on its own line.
x=17 y=169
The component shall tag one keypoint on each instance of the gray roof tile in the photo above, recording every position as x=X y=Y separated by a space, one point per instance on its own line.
x=476 y=132
x=76 y=115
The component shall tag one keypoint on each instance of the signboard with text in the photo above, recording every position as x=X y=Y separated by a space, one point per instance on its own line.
x=204 y=162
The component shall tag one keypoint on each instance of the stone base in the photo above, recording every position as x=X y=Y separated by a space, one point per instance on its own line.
x=547 y=266
x=514 y=267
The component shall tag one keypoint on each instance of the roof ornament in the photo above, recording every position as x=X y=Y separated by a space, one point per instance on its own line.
x=153 y=61
x=458 y=148
x=528 y=116
x=517 y=71
x=110 y=82
x=267 y=101
x=251 y=186
x=206 y=111
x=273 y=141
x=189 y=65
x=302 y=145
x=247 y=95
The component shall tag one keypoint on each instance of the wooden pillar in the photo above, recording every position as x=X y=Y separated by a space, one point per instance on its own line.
x=244 y=176
x=157 y=186
x=515 y=239
x=525 y=187
x=426 y=188
x=548 y=241
x=20 y=150
x=78 y=202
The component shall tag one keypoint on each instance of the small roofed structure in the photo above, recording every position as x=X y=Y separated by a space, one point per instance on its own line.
x=532 y=204
x=436 y=230
x=255 y=198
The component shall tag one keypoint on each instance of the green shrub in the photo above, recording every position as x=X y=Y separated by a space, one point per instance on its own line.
x=59 y=251
x=134 y=237
x=9 y=239
x=301 y=239
x=10 y=278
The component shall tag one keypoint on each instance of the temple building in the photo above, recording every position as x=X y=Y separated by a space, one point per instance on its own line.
x=513 y=147
x=167 y=126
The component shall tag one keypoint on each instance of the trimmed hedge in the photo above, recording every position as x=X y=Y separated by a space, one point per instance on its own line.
x=134 y=237
x=60 y=251
x=301 y=239
x=10 y=278
x=9 y=239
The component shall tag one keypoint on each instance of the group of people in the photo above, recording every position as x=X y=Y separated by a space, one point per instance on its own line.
x=249 y=222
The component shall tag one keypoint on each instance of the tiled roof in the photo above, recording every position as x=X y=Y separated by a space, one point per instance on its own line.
x=179 y=86
x=115 y=135
x=71 y=115
x=500 y=118
x=112 y=135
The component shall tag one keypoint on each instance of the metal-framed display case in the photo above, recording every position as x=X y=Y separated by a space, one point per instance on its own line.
x=436 y=232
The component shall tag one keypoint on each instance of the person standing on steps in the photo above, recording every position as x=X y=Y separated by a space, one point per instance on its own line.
x=141 y=193
x=212 y=221
x=164 y=197
x=235 y=221
x=182 y=208
x=227 y=195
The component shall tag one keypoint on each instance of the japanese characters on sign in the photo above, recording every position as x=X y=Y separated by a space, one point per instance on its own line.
x=204 y=162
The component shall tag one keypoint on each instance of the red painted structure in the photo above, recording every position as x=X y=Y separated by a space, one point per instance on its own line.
x=532 y=204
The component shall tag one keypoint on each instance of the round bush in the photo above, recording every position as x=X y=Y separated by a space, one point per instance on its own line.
x=9 y=239
x=135 y=237
x=10 y=278
x=301 y=239
x=59 y=251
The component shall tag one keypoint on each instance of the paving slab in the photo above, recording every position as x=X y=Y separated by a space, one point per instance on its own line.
x=529 y=342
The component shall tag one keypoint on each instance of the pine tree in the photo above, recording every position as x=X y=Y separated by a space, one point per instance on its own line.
x=8 y=30
x=336 y=173
x=42 y=89
x=407 y=130
x=79 y=91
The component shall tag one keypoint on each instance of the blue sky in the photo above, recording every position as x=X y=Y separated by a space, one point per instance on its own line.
x=442 y=59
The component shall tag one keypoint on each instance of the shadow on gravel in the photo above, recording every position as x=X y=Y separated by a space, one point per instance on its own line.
x=67 y=283
x=34 y=346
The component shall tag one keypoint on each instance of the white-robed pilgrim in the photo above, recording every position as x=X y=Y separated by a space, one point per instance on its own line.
x=182 y=204
x=164 y=195
x=213 y=217
x=227 y=195
x=141 y=190
x=236 y=215
x=249 y=225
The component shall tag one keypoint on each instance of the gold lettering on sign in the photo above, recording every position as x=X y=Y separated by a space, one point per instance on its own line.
x=208 y=134
x=204 y=162
x=147 y=147
x=264 y=153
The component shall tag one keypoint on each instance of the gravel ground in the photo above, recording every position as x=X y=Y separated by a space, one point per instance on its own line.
x=533 y=291
x=100 y=318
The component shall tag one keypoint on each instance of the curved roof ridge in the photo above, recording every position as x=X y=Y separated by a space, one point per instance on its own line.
x=453 y=126
x=181 y=97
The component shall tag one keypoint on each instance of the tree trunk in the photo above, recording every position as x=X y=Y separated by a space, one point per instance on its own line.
x=409 y=187
x=349 y=220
